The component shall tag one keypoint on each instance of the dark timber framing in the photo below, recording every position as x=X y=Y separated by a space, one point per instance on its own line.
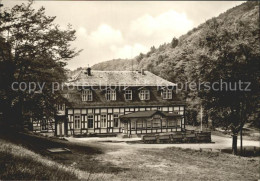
x=103 y=116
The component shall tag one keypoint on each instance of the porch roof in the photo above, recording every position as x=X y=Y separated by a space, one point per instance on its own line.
x=148 y=114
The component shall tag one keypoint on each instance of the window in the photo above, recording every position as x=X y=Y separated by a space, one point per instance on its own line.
x=164 y=122
x=156 y=121
x=116 y=120
x=111 y=95
x=172 y=123
x=90 y=121
x=148 y=123
x=128 y=95
x=144 y=94
x=103 y=121
x=60 y=107
x=87 y=95
x=139 y=124
x=133 y=125
x=67 y=95
x=44 y=124
x=77 y=121
x=178 y=122
x=167 y=94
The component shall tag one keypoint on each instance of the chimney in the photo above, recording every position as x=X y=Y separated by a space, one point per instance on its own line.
x=89 y=71
x=142 y=72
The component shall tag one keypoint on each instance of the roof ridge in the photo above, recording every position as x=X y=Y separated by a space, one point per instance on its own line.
x=118 y=77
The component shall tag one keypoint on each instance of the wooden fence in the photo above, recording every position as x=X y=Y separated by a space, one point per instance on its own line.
x=178 y=137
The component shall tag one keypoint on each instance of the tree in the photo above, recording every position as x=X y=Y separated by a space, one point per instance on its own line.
x=139 y=57
x=174 y=42
x=232 y=60
x=33 y=49
x=192 y=117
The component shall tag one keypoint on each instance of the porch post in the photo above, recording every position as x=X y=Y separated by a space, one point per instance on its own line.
x=142 y=126
x=136 y=127
x=176 y=125
x=161 y=125
x=167 y=125
x=130 y=126
x=184 y=114
x=146 y=125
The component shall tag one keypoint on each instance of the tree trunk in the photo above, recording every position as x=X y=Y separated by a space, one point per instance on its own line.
x=241 y=142
x=234 y=144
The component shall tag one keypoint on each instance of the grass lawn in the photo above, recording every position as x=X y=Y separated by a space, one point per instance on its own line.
x=19 y=163
x=117 y=161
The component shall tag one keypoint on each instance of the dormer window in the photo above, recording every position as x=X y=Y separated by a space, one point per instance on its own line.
x=128 y=94
x=167 y=94
x=60 y=107
x=87 y=95
x=111 y=95
x=144 y=94
x=67 y=96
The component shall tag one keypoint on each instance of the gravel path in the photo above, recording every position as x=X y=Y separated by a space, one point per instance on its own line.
x=218 y=142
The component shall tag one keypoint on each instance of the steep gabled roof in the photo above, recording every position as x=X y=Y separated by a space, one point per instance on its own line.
x=122 y=78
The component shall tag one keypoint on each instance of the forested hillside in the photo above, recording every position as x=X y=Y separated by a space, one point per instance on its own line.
x=173 y=60
x=224 y=47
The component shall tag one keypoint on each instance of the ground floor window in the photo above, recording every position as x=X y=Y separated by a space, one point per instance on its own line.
x=77 y=121
x=90 y=121
x=139 y=124
x=164 y=123
x=44 y=124
x=149 y=123
x=116 y=120
x=103 y=121
x=133 y=125
x=156 y=122
x=171 y=122
x=178 y=122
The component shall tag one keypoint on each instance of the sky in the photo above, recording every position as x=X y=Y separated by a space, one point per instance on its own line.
x=108 y=30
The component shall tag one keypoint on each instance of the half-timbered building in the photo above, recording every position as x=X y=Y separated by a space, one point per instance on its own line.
x=98 y=100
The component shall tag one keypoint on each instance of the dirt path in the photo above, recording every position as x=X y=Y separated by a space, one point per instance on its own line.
x=219 y=142
x=126 y=159
x=170 y=162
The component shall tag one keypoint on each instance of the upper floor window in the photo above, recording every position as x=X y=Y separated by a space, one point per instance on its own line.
x=60 y=107
x=128 y=94
x=144 y=94
x=66 y=95
x=167 y=94
x=87 y=95
x=111 y=95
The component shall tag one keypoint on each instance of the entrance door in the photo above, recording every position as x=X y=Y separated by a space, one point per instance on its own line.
x=60 y=122
x=60 y=129
x=125 y=128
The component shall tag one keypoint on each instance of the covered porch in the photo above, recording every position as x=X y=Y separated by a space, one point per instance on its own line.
x=145 y=122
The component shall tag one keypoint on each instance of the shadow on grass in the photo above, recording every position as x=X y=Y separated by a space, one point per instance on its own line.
x=83 y=157
x=248 y=151
x=19 y=168
x=40 y=144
